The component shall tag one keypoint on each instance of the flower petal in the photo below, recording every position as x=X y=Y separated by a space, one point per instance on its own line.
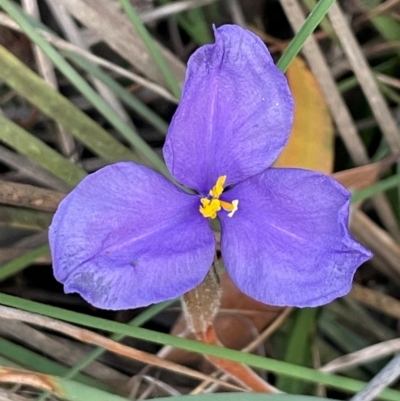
x=288 y=243
x=126 y=237
x=235 y=115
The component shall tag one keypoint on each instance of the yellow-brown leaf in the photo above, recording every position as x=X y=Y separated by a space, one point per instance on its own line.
x=310 y=144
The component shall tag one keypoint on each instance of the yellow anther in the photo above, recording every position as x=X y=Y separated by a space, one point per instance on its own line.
x=209 y=207
x=218 y=187
x=212 y=204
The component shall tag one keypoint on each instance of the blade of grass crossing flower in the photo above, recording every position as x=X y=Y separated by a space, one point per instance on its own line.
x=31 y=360
x=279 y=367
x=131 y=136
x=310 y=143
x=298 y=349
x=20 y=263
x=26 y=144
x=149 y=42
x=140 y=108
x=312 y=21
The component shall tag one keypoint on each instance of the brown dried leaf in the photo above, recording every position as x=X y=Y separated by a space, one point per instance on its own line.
x=361 y=177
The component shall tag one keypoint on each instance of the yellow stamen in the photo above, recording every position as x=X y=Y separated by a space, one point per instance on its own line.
x=218 y=187
x=210 y=207
x=230 y=207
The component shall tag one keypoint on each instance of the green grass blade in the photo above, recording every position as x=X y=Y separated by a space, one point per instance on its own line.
x=381 y=186
x=26 y=144
x=98 y=102
x=29 y=85
x=24 y=219
x=195 y=26
x=140 y=108
x=325 y=24
x=312 y=21
x=151 y=46
x=279 y=367
x=351 y=82
x=8 y=363
x=388 y=27
x=18 y=264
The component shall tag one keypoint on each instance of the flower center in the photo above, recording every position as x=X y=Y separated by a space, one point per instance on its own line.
x=212 y=204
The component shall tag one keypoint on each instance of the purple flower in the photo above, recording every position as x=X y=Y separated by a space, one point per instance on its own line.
x=126 y=237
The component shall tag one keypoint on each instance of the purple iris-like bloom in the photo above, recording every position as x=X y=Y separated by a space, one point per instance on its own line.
x=127 y=237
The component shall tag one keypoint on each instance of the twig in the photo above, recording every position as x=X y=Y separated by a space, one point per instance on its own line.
x=377 y=239
x=162 y=385
x=381 y=302
x=101 y=16
x=382 y=380
x=386 y=79
x=171 y=9
x=28 y=196
x=236 y=12
x=268 y=331
x=363 y=356
x=365 y=77
x=32 y=170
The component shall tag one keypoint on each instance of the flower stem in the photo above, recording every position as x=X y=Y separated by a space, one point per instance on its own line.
x=201 y=304
x=200 y=307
